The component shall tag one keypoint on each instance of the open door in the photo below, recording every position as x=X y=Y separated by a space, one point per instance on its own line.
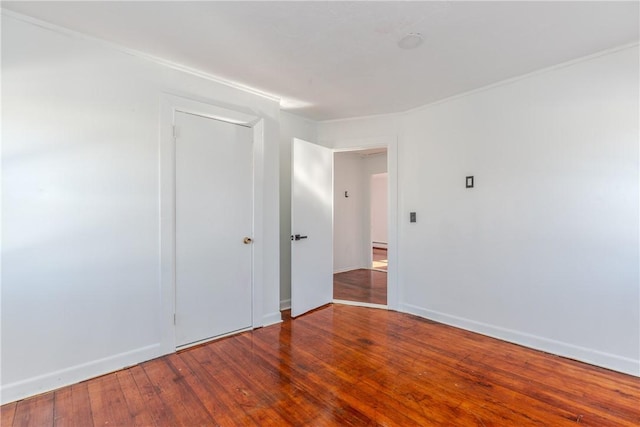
x=311 y=226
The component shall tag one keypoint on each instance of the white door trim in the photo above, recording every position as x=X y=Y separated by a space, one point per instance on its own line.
x=391 y=143
x=169 y=104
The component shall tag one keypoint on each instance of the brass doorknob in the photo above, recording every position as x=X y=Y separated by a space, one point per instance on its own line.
x=247 y=240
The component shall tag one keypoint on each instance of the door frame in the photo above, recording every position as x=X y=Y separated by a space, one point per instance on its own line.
x=391 y=144
x=169 y=105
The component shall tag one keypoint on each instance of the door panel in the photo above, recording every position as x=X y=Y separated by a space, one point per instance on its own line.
x=311 y=216
x=214 y=212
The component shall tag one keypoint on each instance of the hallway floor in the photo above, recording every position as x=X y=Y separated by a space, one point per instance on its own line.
x=380 y=260
x=361 y=285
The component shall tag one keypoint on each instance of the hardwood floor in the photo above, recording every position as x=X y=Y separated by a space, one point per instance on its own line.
x=364 y=285
x=343 y=365
x=380 y=259
x=361 y=285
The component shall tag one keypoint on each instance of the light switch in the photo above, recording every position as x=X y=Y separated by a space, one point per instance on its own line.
x=469 y=182
x=412 y=217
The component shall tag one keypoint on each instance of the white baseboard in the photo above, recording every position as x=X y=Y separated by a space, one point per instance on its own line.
x=360 y=304
x=342 y=270
x=54 y=380
x=594 y=357
x=285 y=304
x=271 y=319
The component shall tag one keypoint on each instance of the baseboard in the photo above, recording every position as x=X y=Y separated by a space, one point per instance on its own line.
x=51 y=381
x=360 y=304
x=271 y=319
x=594 y=357
x=343 y=270
x=285 y=304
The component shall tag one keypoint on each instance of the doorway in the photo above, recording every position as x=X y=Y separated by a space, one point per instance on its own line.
x=360 y=227
x=171 y=107
x=312 y=222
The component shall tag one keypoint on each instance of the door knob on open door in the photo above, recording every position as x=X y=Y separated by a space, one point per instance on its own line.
x=247 y=240
x=298 y=237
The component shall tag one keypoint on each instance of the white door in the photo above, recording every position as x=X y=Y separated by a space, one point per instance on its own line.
x=312 y=227
x=214 y=213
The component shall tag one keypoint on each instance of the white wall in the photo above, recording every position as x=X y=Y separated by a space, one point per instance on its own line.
x=352 y=215
x=80 y=196
x=376 y=204
x=544 y=250
x=291 y=126
x=349 y=235
x=379 y=216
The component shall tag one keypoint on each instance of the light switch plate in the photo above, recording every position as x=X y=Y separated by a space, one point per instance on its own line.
x=469 y=182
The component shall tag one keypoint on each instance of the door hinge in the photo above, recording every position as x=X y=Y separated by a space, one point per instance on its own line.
x=175 y=132
x=174 y=318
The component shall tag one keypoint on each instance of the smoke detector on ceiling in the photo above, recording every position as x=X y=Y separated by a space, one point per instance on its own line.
x=411 y=41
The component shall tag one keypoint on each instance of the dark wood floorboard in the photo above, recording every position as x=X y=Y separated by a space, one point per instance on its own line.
x=63 y=407
x=178 y=398
x=158 y=411
x=136 y=403
x=361 y=285
x=7 y=413
x=340 y=366
x=108 y=403
x=37 y=411
x=73 y=406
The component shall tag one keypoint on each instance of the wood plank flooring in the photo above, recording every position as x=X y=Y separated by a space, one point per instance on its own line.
x=364 y=285
x=345 y=366
x=361 y=285
x=380 y=259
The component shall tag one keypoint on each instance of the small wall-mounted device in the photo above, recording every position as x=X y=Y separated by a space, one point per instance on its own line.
x=346 y=194
x=412 y=217
x=469 y=182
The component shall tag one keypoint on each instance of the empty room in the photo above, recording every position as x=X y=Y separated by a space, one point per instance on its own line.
x=320 y=213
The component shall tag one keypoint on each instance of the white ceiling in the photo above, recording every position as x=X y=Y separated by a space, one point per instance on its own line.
x=330 y=60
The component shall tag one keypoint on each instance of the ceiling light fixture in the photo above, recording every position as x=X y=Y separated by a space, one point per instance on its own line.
x=411 y=41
